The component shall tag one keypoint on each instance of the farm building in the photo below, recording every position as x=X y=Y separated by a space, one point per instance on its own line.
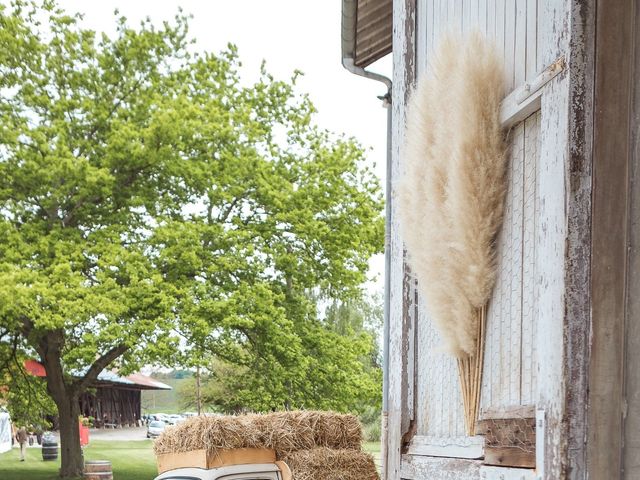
x=559 y=395
x=112 y=400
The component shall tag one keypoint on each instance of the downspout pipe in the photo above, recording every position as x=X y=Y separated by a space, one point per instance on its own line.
x=349 y=19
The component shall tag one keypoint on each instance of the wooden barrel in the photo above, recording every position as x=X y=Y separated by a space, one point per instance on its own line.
x=98 y=470
x=49 y=449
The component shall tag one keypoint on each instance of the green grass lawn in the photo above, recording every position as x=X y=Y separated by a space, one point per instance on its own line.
x=374 y=449
x=130 y=460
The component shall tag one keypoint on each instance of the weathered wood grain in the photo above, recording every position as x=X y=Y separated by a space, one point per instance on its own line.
x=506 y=473
x=632 y=378
x=519 y=411
x=510 y=43
x=561 y=208
x=531 y=66
x=509 y=457
x=614 y=35
x=401 y=332
x=528 y=357
x=551 y=239
x=580 y=71
x=453 y=447
x=521 y=47
x=508 y=432
x=422 y=467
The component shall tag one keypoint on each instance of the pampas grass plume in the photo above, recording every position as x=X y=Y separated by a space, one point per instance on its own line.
x=450 y=198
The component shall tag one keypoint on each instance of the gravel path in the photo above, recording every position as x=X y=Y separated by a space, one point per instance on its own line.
x=127 y=433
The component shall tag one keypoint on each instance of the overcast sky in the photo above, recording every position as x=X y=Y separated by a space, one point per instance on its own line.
x=288 y=35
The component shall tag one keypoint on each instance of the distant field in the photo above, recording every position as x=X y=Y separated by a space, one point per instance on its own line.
x=164 y=401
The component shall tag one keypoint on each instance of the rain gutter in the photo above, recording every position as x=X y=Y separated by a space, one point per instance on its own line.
x=349 y=25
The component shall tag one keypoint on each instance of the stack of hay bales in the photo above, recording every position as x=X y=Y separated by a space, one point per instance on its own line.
x=315 y=445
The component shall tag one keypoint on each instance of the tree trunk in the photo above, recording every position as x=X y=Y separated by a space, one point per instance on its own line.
x=66 y=399
x=198 y=397
x=70 y=450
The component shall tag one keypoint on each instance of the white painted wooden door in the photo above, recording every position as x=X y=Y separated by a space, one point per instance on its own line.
x=510 y=358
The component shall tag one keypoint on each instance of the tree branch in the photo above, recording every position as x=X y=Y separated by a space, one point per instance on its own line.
x=98 y=366
x=223 y=218
x=10 y=356
x=112 y=111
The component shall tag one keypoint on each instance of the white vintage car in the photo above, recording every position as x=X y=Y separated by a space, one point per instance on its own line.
x=254 y=471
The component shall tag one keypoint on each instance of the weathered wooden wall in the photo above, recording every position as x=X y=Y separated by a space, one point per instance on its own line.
x=613 y=448
x=119 y=406
x=510 y=355
x=510 y=359
x=515 y=25
x=542 y=293
x=631 y=440
x=402 y=354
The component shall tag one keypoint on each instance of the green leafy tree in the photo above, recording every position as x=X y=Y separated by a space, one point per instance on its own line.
x=337 y=366
x=24 y=395
x=147 y=198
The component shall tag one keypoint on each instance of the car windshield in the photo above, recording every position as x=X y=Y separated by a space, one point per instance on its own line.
x=156 y=424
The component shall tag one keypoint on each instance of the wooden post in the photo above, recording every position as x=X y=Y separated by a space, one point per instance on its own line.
x=612 y=130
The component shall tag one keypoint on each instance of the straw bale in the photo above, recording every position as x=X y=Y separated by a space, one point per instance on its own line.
x=289 y=431
x=329 y=464
x=280 y=431
x=337 y=431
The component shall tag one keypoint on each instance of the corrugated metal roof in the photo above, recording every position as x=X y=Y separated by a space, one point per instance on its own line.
x=135 y=380
x=150 y=383
x=374 y=31
x=109 y=376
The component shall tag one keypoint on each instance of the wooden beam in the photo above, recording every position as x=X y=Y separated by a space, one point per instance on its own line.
x=520 y=411
x=402 y=354
x=632 y=328
x=613 y=73
x=526 y=99
x=509 y=457
x=579 y=181
x=509 y=442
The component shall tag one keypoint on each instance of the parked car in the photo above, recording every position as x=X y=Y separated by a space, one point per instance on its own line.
x=163 y=417
x=173 y=419
x=155 y=428
x=266 y=471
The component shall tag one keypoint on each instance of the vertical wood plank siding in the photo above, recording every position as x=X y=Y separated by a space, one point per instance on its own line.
x=551 y=235
x=514 y=24
x=538 y=333
x=510 y=359
x=631 y=463
x=508 y=380
x=579 y=181
x=401 y=331
x=611 y=160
